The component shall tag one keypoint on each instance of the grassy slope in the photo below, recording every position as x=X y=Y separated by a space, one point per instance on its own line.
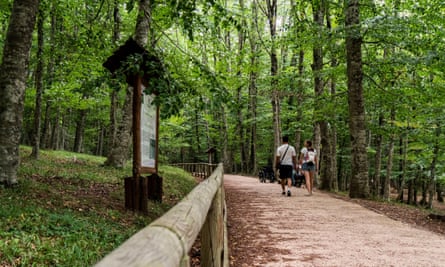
x=69 y=211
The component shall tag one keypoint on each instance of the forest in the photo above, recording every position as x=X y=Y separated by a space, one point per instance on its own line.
x=363 y=79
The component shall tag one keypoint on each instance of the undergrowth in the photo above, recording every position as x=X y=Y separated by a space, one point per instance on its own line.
x=68 y=210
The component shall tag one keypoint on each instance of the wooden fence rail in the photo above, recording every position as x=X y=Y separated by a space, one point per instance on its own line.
x=201 y=170
x=167 y=241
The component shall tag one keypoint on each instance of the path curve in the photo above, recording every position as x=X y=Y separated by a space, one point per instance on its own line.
x=268 y=229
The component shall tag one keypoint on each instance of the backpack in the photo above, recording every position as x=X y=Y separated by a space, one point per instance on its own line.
x=310 y=156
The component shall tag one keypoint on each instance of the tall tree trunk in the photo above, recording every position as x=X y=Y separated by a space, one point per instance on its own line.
x=226 y=155
x=114 y=105
x=432 y=179
x=114 y=100
x=198 y=151
x=80 y=127
x=292 y=99
x=320 y=127
x=118 y=154
x=377 y=190
x=253 y=74
x=403 y=141
x=328 y=168
x=343 y=173
x=63 y=131
x=387 y=182
x=239 y=107
x=45 y=138
x=143 y=23
x=359 y=187
x=13 y=72
x=316 y=143
x=45 y=135
x=389 y=164
x=100 y=140
x=39 y=85
x=334 y=173
x=272 y=18
x=300 y=89
x=117 y=22
x=55 y=132
x=297 y=61
x=331 y=155
x=381 y=188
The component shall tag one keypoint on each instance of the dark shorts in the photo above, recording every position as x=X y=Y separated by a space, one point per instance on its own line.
x=286 y=171
x=308 y=167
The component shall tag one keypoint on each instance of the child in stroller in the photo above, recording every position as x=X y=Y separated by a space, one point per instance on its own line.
x=297 y=177
x=266 y=173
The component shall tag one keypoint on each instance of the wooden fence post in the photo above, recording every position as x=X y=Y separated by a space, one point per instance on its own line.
x=167 y=241
x=213 y=233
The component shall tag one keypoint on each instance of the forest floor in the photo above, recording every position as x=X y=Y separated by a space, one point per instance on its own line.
x=262 y=224
x=268 y=229
x=325 y=229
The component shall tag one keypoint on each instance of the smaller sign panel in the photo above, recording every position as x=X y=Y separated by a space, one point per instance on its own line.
x=148 y=131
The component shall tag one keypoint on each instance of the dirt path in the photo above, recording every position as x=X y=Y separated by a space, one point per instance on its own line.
x=268 y=229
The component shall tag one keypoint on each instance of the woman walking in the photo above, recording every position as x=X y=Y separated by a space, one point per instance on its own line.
x=309 y=164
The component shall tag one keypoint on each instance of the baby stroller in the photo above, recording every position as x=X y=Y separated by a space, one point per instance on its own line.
x=298 y=178
x=266 y=173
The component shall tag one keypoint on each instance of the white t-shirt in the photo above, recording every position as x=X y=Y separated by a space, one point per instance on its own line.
x=287 y=159
x=305 y=153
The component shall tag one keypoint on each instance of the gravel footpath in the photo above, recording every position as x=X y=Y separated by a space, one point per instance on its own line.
x=269 y=229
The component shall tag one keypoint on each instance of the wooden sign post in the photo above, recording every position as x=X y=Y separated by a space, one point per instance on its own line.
x=139 y=189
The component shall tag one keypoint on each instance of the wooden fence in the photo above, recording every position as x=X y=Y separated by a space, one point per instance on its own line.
x=201 y=170
x=167 y=241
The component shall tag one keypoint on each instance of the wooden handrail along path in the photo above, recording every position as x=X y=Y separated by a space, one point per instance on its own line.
x=201 y=170
x=167 y=241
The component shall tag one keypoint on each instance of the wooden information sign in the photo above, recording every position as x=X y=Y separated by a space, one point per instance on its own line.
x=139 y=189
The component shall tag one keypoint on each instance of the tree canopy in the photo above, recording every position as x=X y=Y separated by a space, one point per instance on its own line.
x=237 y=75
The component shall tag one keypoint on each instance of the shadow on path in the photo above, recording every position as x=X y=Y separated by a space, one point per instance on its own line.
x=269 y=229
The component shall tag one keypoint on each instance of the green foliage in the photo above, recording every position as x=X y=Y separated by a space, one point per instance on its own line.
x=160 y=81
x=68 y=210
x=191 y=15
x=207 y=55
x=183 y=182
x=37 y=236
x=5 y=11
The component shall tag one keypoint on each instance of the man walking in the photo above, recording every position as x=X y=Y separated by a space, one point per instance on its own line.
x=286 y=160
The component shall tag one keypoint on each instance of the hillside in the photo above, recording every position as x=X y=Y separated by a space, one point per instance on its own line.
x=69 y=211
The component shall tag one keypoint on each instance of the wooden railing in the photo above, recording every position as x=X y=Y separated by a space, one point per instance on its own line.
x=201 y=170
x=167 y=241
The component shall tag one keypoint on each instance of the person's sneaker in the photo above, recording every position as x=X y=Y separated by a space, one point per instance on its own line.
x=288 y=193
x=284 y=193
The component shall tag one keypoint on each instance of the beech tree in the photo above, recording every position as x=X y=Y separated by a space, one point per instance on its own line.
x=119 y=152
x=359 y=187
x=13 y=74
x=240 y=74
